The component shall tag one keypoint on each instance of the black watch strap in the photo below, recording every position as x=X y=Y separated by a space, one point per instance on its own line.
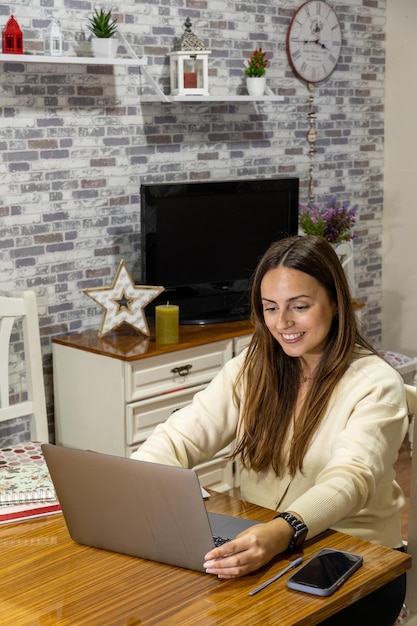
x=300 y=530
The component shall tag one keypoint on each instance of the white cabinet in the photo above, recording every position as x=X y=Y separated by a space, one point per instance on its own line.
x=143 y=416
x=176 y=370
x=110 y=395
x=240 y=343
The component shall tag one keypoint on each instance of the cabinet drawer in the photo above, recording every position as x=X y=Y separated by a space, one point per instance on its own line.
x=143 y=416
x=240 y=343
x=216 y=474
x=175 y=370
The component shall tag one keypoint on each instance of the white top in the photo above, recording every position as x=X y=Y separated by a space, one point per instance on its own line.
x=348 y=480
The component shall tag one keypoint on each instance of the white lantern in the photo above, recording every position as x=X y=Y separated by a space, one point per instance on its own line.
x=189 y=65
x=54 y=40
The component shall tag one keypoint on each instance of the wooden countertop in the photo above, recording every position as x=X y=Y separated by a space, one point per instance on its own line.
x=48 y=579
x=129 y=345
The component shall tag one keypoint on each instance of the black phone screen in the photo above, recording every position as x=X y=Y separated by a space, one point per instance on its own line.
x=326 y=568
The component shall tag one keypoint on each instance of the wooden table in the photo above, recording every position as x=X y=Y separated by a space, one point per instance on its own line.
x=47 y=579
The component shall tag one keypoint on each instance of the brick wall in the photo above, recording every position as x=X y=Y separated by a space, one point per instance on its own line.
x=77 y=141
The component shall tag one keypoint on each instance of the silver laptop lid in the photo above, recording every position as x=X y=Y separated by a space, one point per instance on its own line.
x=143 y=509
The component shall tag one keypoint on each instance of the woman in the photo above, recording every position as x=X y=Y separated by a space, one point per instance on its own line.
x=318 y=418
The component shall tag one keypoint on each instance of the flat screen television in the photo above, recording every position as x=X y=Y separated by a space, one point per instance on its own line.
x=202 y=241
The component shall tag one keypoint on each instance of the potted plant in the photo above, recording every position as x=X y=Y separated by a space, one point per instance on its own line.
x=255 y=73
x=103 y=27
x=331 y=220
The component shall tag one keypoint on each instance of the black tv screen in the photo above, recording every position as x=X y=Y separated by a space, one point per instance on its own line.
x=202 y=241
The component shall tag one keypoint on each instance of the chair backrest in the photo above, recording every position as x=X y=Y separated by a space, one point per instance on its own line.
x=411 y=598
x=13 y=309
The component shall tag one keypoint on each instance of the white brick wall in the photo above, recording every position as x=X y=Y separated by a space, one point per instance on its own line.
x=76 y=142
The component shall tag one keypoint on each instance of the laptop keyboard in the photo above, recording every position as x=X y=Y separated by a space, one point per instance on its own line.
x=219 y=541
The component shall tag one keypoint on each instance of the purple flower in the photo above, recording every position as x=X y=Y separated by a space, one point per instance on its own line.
x=330 y=220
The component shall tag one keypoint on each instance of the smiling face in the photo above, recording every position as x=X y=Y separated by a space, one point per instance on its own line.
x=298 y=312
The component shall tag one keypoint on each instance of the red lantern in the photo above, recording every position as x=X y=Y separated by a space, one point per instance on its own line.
x=12 y=38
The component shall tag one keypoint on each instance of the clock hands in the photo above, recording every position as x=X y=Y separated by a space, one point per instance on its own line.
x=316 y=41
x=315 y=29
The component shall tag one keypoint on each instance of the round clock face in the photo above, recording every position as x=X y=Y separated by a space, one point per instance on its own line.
x=314 y=40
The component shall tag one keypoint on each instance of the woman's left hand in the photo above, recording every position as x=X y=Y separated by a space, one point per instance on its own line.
x=251 y=549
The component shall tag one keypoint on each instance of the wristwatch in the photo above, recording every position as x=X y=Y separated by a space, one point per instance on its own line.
x=300 y=530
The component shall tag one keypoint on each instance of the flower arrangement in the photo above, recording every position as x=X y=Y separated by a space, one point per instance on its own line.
x=256 y=66
x=330 y=220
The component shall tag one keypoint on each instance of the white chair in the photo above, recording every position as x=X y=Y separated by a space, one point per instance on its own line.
x=407 y=367
x=411 y=596
x=20 y=314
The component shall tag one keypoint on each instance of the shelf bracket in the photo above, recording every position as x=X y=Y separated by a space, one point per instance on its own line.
x=144 y=71
x=152 y=82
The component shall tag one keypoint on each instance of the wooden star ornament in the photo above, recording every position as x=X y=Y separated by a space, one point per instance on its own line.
x=123 y=302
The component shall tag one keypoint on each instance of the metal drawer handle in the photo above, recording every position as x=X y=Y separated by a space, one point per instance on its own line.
x=182 y=370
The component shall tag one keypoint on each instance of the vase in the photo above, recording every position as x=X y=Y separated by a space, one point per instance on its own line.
x=256 y=85
x=104 y=47
x=344 y=251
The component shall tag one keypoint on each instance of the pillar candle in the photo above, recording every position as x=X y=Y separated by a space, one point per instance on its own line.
x=167 y=323
x=190 y=80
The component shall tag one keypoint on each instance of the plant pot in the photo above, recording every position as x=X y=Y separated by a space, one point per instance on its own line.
x=256 y=85
x=103 y=47
x=344 y=251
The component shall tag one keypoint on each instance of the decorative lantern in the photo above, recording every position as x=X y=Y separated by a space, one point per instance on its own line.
x=189 y=65
x=54 y=40
x=12 y=37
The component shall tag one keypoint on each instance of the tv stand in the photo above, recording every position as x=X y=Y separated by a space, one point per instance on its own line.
x=110 y=393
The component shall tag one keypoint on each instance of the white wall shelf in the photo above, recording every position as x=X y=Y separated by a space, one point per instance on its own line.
x=157 y=96
x=217 y=98
x=41 y=58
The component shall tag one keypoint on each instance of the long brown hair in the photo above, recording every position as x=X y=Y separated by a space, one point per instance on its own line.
x=272 y=378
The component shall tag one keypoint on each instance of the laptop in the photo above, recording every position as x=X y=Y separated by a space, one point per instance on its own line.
x=148 y=510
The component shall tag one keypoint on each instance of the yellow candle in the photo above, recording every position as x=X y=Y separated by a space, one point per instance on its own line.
x=167 y=323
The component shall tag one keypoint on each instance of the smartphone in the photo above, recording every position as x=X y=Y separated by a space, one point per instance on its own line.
x=325 y=572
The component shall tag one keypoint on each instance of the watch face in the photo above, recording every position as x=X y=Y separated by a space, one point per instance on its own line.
x=299 y=537
x=314 y=40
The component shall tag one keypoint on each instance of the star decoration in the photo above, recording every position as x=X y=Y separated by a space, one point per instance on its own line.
x=123 y=302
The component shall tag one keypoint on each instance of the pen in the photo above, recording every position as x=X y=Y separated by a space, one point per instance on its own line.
x=289 y=567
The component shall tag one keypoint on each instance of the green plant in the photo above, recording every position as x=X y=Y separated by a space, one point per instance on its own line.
x=331 y=220
x=257 y=64
x=102 y=24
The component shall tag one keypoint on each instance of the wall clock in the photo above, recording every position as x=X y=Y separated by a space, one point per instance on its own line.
x=314 y=41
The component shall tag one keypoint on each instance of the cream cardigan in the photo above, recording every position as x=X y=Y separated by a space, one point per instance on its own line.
x=348 y=480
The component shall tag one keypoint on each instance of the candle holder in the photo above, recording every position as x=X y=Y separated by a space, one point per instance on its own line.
x=189 y=65
x=12 y=37
x=54 y=40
